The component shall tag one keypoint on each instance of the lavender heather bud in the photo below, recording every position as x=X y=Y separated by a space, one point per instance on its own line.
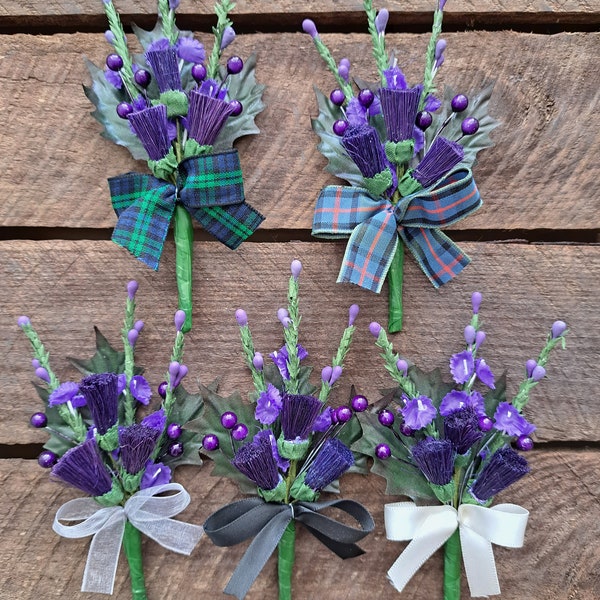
x=435 y=459
x=402 y=366
x=228 y=37
x=364 y=147
x=470 y=334
x=241 y=317
x=440 y=46
x=399 y=108
x=256 y=461
x=381 y=20
x=441 y=4
x=375 y=328
x=110 y=37
x=206 y=117
x=132 y=288
x=558 y=328
x=137 y=443
x=333 y=460
x=101 y=393
x=132 y=336
x=296 y=268
x=165 y=67
x=442 y=157
x=504 y=468
x=138 y=326
x=23 y=321
x=336 y=374
x=173 y=4
x=298 y=415
x=476 y=299
x=258 y=361
x=326 y=374
x=42 y=374
x=183 y=371
x=308 y=26
x=530 y=365
x=151 y=127
x=479 y=339
x=82 y=467
x=282 y=315
x=352 y=314
x=179 y=319
x=35 y=363
x=462 y=429
x=538 y=373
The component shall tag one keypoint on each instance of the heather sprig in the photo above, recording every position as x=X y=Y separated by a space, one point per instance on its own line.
x=223 y=26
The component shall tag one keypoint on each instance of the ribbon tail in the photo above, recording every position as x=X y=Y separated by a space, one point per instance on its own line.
x=480 y=566
x=342 y=549
x=172 y=534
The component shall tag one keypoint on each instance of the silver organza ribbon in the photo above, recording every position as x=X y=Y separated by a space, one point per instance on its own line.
x=428 y=527
x=145 y=510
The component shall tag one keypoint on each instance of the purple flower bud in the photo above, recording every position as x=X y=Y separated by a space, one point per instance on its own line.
x=439 y=48
x=241 y=317
x=42 y=374
x=381 y=20
x=476 y=298
x=443 y=155
x=402 y=366
x=132 y=288
x=530 y=365
x=344 y=71
x=352 y=314
x=296 y=268
x=228 y=37
x=558 y=328
x=470 y=334
x=258 y=361
x=336 y=374
x=183 y=371
x=282 y=314
x=179 y=319
x=479 y=339
x=309 y=27
x=326 y=374
x=35 y=363
x=375 y=328
x=110 y=37
x=132 y=336
x=538 y=373
x=23 y=321
x=174 y=367
x=173 y=4
x=441 y=4
x=138 y=326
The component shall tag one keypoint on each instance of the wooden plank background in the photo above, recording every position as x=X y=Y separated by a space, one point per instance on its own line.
x=534 y=246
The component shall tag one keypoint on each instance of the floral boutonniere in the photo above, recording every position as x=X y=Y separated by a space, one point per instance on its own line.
x=407 y=155
x=177 y=108
x=456 y=444
x=124 y=465
x=285 y=447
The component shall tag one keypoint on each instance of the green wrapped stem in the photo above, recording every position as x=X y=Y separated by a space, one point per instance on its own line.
x=132 y=544
x=452 y=562
x=184 y=247
x=285 y=564
x=394 y=277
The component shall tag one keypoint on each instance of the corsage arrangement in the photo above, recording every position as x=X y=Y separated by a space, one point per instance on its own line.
x=125 y=467
x=285 y=446
x=457 y=445
x=407 y=155
x=179 y=110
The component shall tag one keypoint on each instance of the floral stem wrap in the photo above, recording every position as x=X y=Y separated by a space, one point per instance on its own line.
x=132 y=544
x=395 y=279
x=285 y=561
x=452 y=561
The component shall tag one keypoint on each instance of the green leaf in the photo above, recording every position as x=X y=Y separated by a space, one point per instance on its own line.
x=430 y=384
x=494 y=397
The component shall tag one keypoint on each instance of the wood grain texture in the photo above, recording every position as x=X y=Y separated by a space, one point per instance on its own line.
x=542 y=173
x=67 y=287
x=559 y=561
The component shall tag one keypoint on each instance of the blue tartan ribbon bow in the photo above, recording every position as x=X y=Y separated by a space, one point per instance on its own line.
x=374 y=224
x=210 y=187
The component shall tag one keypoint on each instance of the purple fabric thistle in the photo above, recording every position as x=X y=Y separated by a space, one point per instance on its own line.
x=298 y=416
x=435 y=459
x=418 y=412
x=157 y=420
x=364 y=147
x=190 y=50
x=462 y=366
x=268 y=405
x=484 y=373
x=137 y=443
x=323 y=422
x=163 y=62
x=356 y=113
x=443 y=155
x=255 y=460
x=206 y=117
x=66 y=392
x=101 y=394
x=432 y=103
x=462 y=429
x=510 y=421
x=228 y=37
x=280 y=357
x=155 y=474
x=282 y=463
x=82 y=467
x=334 y=459
x=151 y=127
x=400 y=109
x=504 y=468
x=113 y=78
x=453 y=401
x=394 y=78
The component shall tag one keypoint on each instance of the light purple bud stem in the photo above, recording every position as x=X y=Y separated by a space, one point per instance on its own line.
x=476 y=301
x=402 y=366
x=326 y=374
x=558 y=328
x=470 y=334
x=335 y=375
x=183 y=371
x=258 y=361
x=179 y=319
x=138 y=326
x=132 y=336
x=110 y=37
x=309 y=27
x=23 y=321
x=241 y=317
x=381 y=20
x=352 y=314
x=296 y=268
x=479 y=339
x=132 y=288
x=42 y=374
x=35 y=363
x=530 y=365
x=439 y=48
x=538 y=373
x=375 y=328
x=228 y=37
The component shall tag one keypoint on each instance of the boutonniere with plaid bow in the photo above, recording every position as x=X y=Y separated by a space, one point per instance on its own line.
x=177 y=108
x=407 y=156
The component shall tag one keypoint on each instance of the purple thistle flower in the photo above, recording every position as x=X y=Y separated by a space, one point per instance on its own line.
x=163 y=61
x=280 y=358
x=140 y=389
x=66 y=392
x=462 y=429
x=298 y=415
x=418 y=412
x=113 y=78
x=558 y=328
x=394 y=79
x=155 y=474
x=324 y=421
x=443 y=155
x=282 y=463
x=152 y=128
x=484 y=373
x=435 y=459
x=228 y=37
x=364 y=147
x=268 y=405
x=137 y=443
x=82 y=467
x=255 y=460
x=352 y=314
x=334 y=459
x=190 y=50
x=399 y=108
x=308 y=26
x=381 y=20
x=206 y=117
x=462 y=366
x=101 y=394
x=504 y=468
x=157 y=420
x=510 y=421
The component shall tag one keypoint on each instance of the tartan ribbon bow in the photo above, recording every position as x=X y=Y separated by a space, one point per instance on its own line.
x=211 y=189
x=374 y=224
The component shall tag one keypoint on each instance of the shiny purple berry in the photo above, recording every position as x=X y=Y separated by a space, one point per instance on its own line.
x=47 y=459
x=114 y=62
x=424 y=120
x=524 y=443
x=459 y=103
x=199 y=72
x=229 y=419
x=406 y=430
x=239 y=432
x=337 y=97
x=386 y=417
x=210 y=442
x=366 y=97
x=485 y=423
x=162 y=389
x=142 y=78
x=124 y=109
x=470 y=125
x=234 y=65
x=236 y=108
x=339 y=127
x=382 y=451
x=359 y=403
x=38 y=420
x=176 y=449
x=174 y=431
x=343 y=414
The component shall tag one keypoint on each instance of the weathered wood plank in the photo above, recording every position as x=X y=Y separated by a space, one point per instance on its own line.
x=559 y=559
x=542 y=174
x=67 y=287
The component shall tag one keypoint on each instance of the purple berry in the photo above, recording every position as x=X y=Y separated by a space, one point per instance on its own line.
x=142 y=78
x=459 y=103
x=382 y=451
x=470 y=125
x=366 y=97
x=343 y=414
x=198 y=72
x=162 y=389
x=47 y=459
x=424 y=120
x=124 y=109
x=359 y=403
x=176 y=449
x=485 y=423
x=339 y=127
x=524 y=443
x=38 y=420
x=386 y=417
x=406 y=430
x=239 y=432
x=229 y=419
x=174 y=430
x=337 y=97
x=236 y=108
x=210 y=442
x=114 y=62
x=234 y=65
